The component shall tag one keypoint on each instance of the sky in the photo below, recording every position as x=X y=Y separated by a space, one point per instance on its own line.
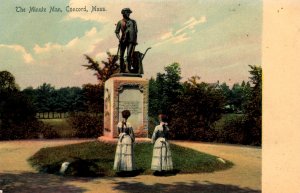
x=215 y=40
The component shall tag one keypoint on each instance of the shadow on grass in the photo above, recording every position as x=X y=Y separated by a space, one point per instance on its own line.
x=28 y=182
x=140 y=171
x=181 y=187
x=85 y=168
x=78 y=167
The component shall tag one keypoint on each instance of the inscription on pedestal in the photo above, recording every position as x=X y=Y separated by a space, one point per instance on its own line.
x=132 y=100
x=133 y=106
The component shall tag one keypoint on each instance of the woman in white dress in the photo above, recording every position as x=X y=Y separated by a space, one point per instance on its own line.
x=161 y=159
x=124 y=158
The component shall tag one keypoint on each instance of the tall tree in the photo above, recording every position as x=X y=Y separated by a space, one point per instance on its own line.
x=253 y=106
x=93 y=97
x=45 y=98
x=227 y=94
x=165 y=89
x=105 y=71
x=7 y=81
x=17 y=115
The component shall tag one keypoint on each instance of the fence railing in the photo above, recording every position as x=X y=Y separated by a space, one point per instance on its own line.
x=59 y=115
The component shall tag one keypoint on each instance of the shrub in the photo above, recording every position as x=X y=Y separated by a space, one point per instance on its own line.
x=47 y=131
x=23 y=130
x=240 y=130
x=232 y=131
x=195 y=112
x=86 y=125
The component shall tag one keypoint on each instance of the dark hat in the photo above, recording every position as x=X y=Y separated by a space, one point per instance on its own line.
x=126 y=10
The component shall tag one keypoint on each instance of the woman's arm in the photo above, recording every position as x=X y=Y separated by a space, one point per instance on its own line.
x=153 y=139
x=131 y=134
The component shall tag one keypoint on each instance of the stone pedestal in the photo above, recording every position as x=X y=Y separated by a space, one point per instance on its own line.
x=121 y=93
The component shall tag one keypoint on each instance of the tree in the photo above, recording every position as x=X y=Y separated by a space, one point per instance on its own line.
x=74 y=99
x=93 y=97
x=7 y=86
x=108 y=68
x=246 y=128
x=253 y=107
x=254 y=104
x=227 y=95
x=17 y=114
x=163 y=91
x=44 y=98
x=196 y=110
x=7 y=81
x=236 y=98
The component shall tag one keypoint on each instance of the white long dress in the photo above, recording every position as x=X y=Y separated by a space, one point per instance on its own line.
x=124 y=157
x=162 y=158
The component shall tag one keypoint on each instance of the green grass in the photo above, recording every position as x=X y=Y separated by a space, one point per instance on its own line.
x=96 y=159
x=61 y=127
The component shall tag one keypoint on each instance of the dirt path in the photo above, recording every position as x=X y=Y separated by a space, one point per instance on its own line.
x=16 y=175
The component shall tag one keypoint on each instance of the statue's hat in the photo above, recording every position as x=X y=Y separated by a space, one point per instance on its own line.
x=126 y=10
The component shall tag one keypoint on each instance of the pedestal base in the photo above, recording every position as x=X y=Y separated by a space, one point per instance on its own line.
x=126 y=93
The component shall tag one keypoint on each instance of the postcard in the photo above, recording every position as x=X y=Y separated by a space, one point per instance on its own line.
x=131 y=48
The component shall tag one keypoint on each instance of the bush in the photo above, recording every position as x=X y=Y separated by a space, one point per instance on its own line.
x=195 y=112
x=48 y=132
x=24 y=130
x=86 y=125
x=17 y=116
x=233 y=131
x=240 y=130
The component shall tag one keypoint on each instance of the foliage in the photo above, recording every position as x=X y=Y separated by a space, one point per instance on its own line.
x=219 y=125
x=48 y=132
x=17 y=115
x=253 y=107
x=96 y=159
x=194 y=108
x=236 y=97
x=7 y=82
x=108 y=68
x=60 y=128
x=246 y=129
x=197 y=109
x=163 y=91
x=235 y=130
x=86 y=125
x=93 y=98
x=47 y=99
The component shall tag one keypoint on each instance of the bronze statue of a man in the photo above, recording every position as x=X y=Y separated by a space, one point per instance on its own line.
x=128 y=38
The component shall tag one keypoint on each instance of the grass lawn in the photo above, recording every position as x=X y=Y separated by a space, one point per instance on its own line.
x=61 y=127
x=96 y=159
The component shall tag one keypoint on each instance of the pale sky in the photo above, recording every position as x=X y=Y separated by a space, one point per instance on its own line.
x=215 y=40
